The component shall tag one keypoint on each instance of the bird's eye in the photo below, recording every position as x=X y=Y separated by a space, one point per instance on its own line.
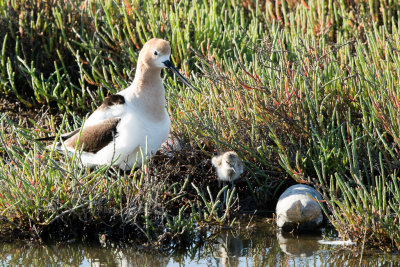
x=155 y=53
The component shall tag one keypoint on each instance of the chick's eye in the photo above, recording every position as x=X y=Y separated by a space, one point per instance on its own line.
x=155 y=53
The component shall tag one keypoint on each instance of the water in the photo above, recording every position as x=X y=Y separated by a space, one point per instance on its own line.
x=257 y=245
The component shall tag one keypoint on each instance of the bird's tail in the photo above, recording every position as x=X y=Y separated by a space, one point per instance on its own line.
x=63 y=136
x=48 y=138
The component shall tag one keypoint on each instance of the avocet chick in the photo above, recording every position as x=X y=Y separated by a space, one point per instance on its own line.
x=229 y=168
x=129 y=121
x=228 y=165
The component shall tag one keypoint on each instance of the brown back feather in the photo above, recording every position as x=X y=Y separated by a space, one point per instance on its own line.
x=94 y=138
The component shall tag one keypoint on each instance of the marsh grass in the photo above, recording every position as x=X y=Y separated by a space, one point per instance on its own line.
x=304 y=91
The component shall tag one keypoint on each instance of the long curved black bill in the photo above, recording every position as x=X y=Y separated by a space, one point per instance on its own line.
x=171 y=66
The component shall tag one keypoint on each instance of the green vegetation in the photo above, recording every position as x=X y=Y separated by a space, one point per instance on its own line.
x=303 y=91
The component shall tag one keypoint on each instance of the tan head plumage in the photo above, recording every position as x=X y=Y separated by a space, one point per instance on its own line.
x=155 y=52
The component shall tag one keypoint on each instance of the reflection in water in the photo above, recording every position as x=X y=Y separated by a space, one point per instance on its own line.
x=20 y=254
x=129 y=257
x=260 y=245
x=304 y=245
x=229 y=249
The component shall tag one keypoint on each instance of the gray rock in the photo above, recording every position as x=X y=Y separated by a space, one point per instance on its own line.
x=296 y=209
